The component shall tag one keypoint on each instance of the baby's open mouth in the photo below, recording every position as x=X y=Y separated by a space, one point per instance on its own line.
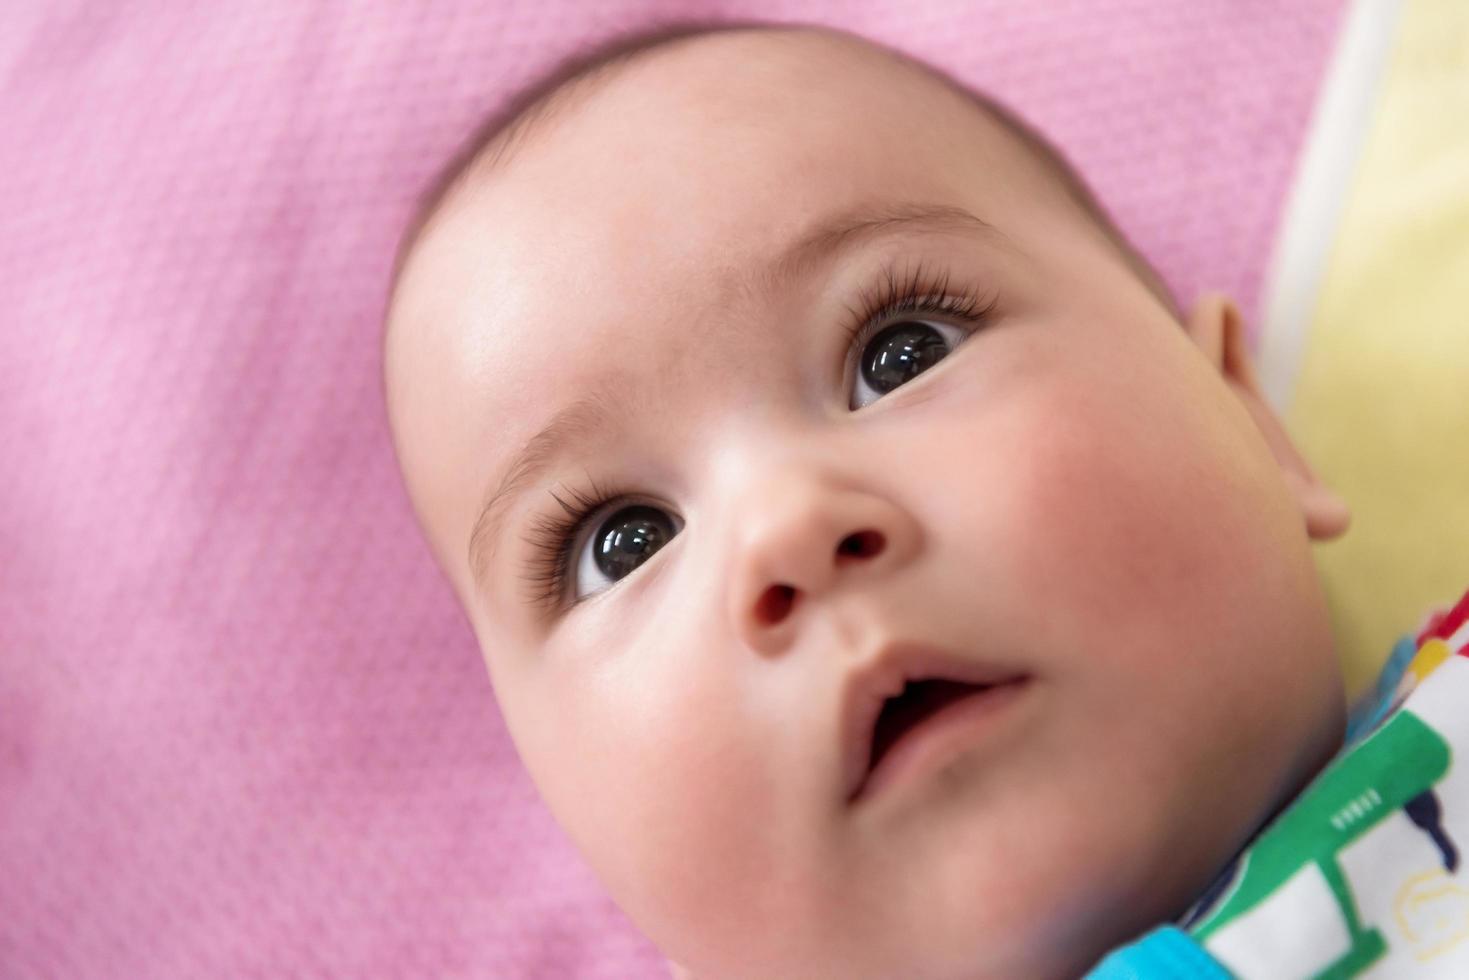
x=930 y=716
x=919 y=701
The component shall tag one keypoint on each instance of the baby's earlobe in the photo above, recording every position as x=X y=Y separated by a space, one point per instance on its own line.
x=1325 y=511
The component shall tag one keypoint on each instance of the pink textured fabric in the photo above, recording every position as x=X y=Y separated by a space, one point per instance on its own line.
x=244 y=730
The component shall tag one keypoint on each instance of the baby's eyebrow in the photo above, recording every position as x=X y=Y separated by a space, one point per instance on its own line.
x=849 y=228
x=580 y=422
x=570 y=428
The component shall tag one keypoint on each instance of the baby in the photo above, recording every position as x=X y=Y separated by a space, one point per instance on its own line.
x=878 y=575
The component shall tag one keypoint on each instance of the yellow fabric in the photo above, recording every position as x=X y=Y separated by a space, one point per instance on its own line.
x=1381 y=407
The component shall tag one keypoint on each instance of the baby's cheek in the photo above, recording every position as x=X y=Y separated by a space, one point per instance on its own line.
x=1139 y=566
x=1140 y=518
x=671 y=797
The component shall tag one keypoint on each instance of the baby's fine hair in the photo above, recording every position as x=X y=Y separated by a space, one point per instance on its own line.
x=497 y=136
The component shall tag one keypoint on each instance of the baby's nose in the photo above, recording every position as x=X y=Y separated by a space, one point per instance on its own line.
x=797 y=541
x=774 y=604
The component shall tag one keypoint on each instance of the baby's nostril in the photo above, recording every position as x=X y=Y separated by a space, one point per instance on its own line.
x=775 y=604
x=862 y=544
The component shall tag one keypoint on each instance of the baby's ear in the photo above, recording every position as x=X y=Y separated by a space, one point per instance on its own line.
x=1217 y=328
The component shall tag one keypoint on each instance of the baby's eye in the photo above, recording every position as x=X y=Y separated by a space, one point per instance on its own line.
x=898 y=353
x=629 y=536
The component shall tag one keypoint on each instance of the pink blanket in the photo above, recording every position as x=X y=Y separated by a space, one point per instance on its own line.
x=244 y=730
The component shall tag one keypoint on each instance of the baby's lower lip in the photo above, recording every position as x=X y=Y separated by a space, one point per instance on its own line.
x=939 y=737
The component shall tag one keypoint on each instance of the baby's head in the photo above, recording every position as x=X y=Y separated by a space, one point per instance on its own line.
x=854 y=385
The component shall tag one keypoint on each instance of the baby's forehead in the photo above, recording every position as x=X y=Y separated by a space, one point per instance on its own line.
x=743 y=140
x=726 y=74
x=708 y=127
x=702 y=99
x=644 y=181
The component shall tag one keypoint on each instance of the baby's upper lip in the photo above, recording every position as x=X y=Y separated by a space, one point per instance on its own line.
x=884 y=675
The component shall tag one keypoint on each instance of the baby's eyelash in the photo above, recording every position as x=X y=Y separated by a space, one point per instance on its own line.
x=551 y=538
x=913 y=290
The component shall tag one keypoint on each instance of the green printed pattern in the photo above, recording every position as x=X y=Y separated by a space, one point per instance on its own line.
x=1391 y=768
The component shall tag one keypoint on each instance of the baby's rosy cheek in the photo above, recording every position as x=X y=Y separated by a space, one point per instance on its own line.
x=1107 y=523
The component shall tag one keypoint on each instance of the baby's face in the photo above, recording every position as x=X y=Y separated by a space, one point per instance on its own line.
x=1047 y=483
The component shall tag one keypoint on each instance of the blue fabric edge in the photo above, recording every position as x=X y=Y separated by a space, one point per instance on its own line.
x=1377 y=702
x=1166 y=953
